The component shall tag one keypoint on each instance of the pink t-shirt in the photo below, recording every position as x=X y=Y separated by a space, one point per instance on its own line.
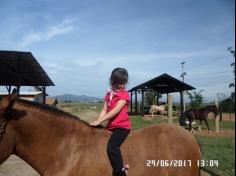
x=121 y=120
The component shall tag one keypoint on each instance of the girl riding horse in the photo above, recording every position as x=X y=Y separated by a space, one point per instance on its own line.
x=56 y=143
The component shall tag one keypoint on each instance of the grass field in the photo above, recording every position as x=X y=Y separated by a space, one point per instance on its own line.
x=80 y=107
x=221 y=148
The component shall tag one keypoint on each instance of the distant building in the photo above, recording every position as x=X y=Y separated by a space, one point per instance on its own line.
x=51 y=101
x=19 y=69
x=36 y=96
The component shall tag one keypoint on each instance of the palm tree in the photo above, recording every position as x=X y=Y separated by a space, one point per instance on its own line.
x=196 y=98
x=231 y=85
x=230 y=49
x=151 y=97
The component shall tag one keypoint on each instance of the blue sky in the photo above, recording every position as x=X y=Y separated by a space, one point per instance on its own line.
x=79 y=42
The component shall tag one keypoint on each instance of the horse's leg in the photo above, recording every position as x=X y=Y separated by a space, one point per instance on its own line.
x=205 y=120
x=200 y=126
x=190 y=124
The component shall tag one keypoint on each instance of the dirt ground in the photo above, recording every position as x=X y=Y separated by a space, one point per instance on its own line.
x=222 y=133
x=89 y=116
x=229 y=117
x=14 y=166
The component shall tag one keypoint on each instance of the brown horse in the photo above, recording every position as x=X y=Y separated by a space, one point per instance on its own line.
x=200 y=114
x=56 y=143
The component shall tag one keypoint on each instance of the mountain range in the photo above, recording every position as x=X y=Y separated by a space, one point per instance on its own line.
x=71 y=97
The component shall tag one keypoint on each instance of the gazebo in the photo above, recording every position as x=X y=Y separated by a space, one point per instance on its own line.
x=163 y=84
x=22 y=69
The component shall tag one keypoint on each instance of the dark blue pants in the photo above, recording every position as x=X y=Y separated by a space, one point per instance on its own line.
x=113 y=148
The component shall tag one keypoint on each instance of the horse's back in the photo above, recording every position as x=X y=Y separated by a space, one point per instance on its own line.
x=159 y=142
x=162 y=143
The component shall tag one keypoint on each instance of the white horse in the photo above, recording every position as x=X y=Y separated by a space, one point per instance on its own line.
x=155 y=108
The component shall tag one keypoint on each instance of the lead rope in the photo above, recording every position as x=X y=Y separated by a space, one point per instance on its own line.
x=2 y=129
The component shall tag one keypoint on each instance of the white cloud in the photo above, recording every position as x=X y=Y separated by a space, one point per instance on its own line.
x=64 y=27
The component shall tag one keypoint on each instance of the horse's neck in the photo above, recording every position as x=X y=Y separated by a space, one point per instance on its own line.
x=214 y=111
x=41 y=135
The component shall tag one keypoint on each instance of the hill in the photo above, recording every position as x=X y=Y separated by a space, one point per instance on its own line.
x=70 y=97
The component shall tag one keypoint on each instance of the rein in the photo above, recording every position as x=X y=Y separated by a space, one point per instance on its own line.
x=2 y=128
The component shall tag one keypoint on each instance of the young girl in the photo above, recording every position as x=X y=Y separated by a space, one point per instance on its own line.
x=115 y=110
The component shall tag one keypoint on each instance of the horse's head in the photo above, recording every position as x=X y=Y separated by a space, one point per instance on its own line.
x=6 y=143
x=6 y=103
x=215 y=109
x=211 y=108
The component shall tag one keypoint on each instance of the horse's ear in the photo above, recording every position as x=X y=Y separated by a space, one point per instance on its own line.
x=8 y=101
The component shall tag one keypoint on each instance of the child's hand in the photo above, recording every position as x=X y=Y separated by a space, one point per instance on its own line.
x=95 y=123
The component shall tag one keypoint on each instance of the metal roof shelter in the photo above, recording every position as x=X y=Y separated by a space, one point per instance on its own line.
x=162 y=84
x=22 y=69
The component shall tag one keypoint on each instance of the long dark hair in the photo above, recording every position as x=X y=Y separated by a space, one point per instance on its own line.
x=118 y=77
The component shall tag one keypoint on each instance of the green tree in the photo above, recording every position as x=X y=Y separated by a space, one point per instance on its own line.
x=196 y=98
x=228 y=105
x=151 y=97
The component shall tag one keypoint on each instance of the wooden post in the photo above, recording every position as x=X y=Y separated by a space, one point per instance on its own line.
x=167 y=98
x=183 y=97
x=170 y=105
x=8 y=89
x=167 y=101
x=181 y=119
x=217 y=104
x=152 y=112
x=136 y=102
x=217 y=124
x=157 y=98
x=44 y=94
x=18 y=91
x=142 y=102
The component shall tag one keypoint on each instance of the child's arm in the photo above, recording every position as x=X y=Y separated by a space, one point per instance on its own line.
x=103 y=112
x=120 y=104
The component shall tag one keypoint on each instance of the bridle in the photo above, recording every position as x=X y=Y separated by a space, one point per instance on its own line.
x=2 y=128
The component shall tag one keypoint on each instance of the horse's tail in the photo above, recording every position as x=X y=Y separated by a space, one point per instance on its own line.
x=220 y=113
x=150 y=111
x=182 y=119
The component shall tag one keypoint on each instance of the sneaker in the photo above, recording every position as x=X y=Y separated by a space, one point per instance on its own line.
x=125 y=168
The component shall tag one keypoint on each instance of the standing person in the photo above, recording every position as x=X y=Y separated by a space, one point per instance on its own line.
x=115 y=110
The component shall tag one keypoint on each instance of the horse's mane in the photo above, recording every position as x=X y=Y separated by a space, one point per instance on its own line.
x=205 y=108
x=59 y=113
x=210 y=107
